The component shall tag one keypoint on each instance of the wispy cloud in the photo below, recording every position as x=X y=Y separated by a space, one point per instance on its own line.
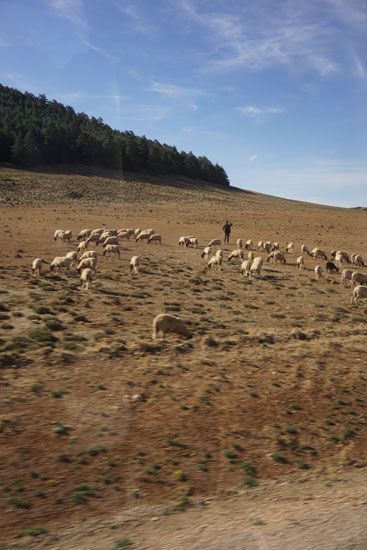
x=252 y=158
x=259 y=36
x=72 y=10
x=259 y=113
x=174 y=91
x=137 y=22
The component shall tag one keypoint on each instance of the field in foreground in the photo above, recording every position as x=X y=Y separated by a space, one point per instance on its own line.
x=273 y=382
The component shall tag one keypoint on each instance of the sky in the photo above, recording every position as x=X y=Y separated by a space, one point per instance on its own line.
x=274 y=91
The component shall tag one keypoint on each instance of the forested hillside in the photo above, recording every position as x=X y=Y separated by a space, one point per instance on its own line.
x=35 y=130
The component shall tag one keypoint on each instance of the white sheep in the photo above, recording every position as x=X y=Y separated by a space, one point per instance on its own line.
x=155 y=238
x=238 y=254
x=110 y=240
x=207 y=252
x=124 y=234
x=164 y=323
x=257 y=265
x=359 y=292
x=84 y=234
x=83 y=245
x=346 y=277
x=90 y=263
x=111 y=249
x=267 y=246
x=134 y=265
x=60 y=262
x=88 y=254
x=318 y=272
x=142 y=237
x=249 y=243
x=305 y=249
x=192 y=241
x=246 y=268
x=239 y=243
x=63 y=235
x=86 y=277
x=341 y=257
x=289 y=248
x=318 y=253
x=260 y=245
x=250 y=256
x=37 y=266
x=359 y=278
x=215 y=261
x=276 y=256
x=73 y=256
x=137 y=231
x=300 y=262
x=359 y=260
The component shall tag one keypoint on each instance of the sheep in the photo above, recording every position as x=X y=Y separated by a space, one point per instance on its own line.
x=275 y=246
x=94 y=237
x=359 y=261
x=192 y=241
x=110 y=240
x=260 y=245
x=239 y=243
x=359 y=278
x=73 y=256
x=215 y=260
x=333 y=254
x=62 y=235
x=111 y=249
x=318 y=272
x=300 y=263
x=182 y=240
x=250 y=256
x=137 y=231
x=317 y=253
x=37 y=266
x=341 y=257
x=155 y=238
x=249 y=243
x=207 y=252
x=123 y=234
x=91 y=263
x=277 y=256
x=215 y=242
x=246 y=268
x=331 y=267
x=267 y=246
x=346 y=277
x=84 y=233
x=256 y=265
x=236 y=254
x=59 y=262
x=289 y=248
x=83 y=245
x=359 y=292
x=88 y=254
x=142 y=236
x=86 y=277
x=134 y=265
x=164 y=323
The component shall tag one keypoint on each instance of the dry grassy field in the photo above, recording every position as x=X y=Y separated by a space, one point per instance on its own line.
x=272 y=384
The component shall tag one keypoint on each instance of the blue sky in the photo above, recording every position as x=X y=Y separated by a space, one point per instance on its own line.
x=274 y=91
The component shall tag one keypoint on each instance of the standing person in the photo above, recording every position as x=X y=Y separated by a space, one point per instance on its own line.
x=227 y=231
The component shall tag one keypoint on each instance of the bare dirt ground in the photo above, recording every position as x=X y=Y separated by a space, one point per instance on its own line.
x=271 y=387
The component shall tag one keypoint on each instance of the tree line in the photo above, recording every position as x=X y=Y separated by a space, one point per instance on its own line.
x=35 y=130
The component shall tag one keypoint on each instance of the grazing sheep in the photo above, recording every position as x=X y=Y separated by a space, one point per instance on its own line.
x=238 y=254
x=134 y=265
x=257 y=265
x=359 y=261
x=246 y=268
x=192 y=241
x=86 y=277
x=73 y=256
x=137 y=231
x=333 y=254
x=215 y=261
x=164 y=323
x=275 y=246
x=249 y=243
x=142 y=237
x=239 y=243
x=88 y=254
x=318 y=253
x=63 y=235
x=123 y=234
x=260 y=245
x=300 y=262
x=359 y=278
x=111 y=249
x=60 y=262
x=84 y=234
x=318 y=272
x=93 y=237
x=341 y=257
x=277 y=256
x=219 y=253
x=267 y=246
x=182 y=240
x=250 y=256
x=346 y=277
x=207 y=252
x=359 y=292
x=305 y=249
x=37 y=266
x=289 y=248
x=110 y=240
x=91 y=263
x=155 y=238
x=215 y=242
x=331 y=267
x=83 y=245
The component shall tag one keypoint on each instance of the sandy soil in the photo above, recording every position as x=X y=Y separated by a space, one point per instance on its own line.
x=271 y=386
